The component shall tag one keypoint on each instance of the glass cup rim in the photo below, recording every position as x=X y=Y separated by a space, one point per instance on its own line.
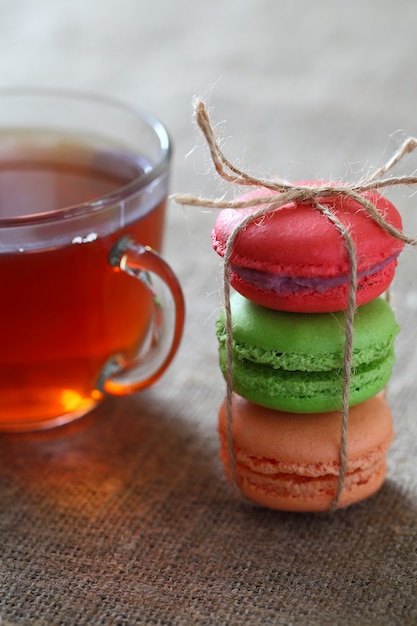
x=110 y=199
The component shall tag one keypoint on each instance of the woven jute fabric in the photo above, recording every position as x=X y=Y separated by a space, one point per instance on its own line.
x=129 y=521
x=127 y=517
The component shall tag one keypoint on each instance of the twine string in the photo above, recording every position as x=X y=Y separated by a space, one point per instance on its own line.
x=316 y=196
x=348 y=349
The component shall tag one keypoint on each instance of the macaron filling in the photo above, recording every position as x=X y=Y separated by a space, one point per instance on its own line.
x=282 y=284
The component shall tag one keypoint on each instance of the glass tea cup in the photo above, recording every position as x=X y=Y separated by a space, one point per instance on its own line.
x=88 y=306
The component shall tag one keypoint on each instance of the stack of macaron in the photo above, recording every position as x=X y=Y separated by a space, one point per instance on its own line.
x=291 y=271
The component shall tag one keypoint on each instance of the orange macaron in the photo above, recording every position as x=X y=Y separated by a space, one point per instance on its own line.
x=291 y=462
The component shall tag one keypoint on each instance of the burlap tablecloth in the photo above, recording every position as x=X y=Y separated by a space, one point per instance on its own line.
x=129 y=520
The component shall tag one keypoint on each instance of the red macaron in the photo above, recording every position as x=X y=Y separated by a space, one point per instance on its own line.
x=295 y=259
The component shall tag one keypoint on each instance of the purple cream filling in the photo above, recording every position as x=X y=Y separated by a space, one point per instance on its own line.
x=282 y=284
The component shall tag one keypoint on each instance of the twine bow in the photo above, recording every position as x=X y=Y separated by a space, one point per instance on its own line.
x=287 y=192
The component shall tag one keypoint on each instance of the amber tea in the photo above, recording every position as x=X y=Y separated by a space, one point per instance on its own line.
x=64 y=310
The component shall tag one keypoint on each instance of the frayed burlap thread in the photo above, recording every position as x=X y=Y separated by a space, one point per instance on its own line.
x=287 y=192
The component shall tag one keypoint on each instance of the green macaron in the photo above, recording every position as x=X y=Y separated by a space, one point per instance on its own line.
x=294 y=361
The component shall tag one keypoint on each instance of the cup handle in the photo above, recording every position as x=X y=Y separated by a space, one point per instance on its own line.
x=120 y=377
